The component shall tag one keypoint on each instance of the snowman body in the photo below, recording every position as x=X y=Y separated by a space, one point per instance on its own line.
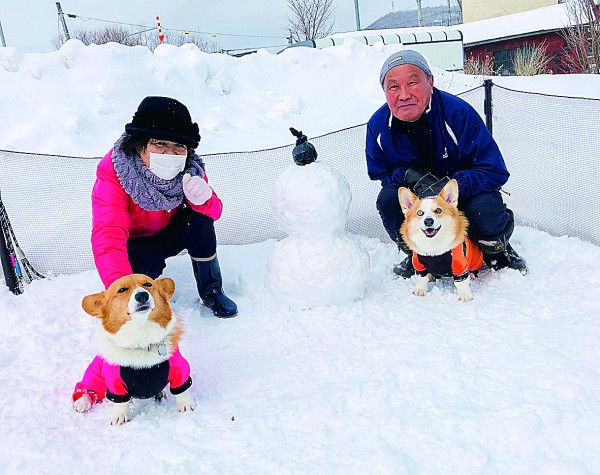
x=318 y=263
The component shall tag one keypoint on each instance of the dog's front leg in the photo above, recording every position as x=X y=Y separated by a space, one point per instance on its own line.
x=421 y=288
x=120 y=413
x=463 y=289
x=184 y=401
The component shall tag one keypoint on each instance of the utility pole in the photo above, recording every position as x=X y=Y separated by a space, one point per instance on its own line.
x=61 y=16
x=2 y=42
x=459 y=3
x=419 y=13
x=357 y=15
x=449 y=12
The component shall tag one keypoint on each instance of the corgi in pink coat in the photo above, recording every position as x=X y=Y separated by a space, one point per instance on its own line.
x=138 y=347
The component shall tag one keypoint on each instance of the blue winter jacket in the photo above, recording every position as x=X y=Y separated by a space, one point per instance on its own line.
x=461 y=146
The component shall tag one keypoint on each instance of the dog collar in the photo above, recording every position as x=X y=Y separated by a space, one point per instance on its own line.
x=160 y=348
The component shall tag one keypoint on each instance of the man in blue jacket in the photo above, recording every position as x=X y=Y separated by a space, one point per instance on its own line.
x=421 y=138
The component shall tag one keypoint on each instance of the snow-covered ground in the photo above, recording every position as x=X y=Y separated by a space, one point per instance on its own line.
x=389 y=383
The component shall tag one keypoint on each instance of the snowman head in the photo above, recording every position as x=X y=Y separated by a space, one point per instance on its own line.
x=311 y=200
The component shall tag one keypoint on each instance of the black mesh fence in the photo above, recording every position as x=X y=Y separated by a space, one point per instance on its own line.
x=47 y=201
x=47 y=197
x=550 y=144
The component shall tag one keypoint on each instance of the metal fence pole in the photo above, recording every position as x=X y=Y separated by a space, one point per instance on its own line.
x=487 y=103
x=2 y=40
x=7 y=267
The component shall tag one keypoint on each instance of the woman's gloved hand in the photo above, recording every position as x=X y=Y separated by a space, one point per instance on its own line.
x=196 y=190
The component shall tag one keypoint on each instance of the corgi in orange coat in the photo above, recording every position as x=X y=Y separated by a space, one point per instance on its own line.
x=436 y=231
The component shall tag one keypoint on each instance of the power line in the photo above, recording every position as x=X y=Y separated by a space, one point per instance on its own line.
x=255 y=48
x=72 y=15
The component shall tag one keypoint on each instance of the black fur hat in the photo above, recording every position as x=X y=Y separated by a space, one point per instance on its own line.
x=164 y=118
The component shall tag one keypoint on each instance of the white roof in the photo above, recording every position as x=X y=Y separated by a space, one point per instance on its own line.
x=551 y=18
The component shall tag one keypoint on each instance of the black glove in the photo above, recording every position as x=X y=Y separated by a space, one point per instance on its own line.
x=424 y=184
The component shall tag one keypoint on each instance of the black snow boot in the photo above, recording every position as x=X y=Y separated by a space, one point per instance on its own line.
x=210 y=288
x=508 y=257
x=404 y=269
x=499 y=254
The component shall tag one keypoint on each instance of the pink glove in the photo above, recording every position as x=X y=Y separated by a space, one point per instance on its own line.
x=196 y=190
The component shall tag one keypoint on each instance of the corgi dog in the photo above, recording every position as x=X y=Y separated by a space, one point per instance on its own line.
x=138 y=347
x=436 y=231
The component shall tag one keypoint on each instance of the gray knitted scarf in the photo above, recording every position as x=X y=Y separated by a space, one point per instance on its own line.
x=146 y=189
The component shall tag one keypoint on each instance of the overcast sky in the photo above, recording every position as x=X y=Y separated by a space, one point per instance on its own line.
x=30 y=25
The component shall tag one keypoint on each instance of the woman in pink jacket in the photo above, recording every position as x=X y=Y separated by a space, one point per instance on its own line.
x=152 y=200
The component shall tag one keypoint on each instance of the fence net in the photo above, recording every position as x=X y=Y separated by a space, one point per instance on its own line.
x=550 y=145
x=48 y=202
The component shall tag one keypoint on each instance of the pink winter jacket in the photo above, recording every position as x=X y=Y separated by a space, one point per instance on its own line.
x=116 y=218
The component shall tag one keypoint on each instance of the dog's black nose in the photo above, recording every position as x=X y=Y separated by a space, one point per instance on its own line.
x=428 y=222
x=142 y=297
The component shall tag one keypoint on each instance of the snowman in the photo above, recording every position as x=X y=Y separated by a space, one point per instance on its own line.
x=318 y=263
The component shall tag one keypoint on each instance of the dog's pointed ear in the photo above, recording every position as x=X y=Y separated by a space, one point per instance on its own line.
x=166 y=286
x=407 y=199
x=450 y=193
x=92 y=304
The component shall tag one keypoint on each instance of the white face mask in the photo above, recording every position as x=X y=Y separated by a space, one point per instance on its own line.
x=166 y=166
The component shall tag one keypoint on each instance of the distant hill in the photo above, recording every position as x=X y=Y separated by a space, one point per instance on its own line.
x=432 y=16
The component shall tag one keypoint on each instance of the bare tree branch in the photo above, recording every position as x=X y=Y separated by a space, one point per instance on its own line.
x=310 y=19
x=583 y=37
x=132 y=37
x=481 y=66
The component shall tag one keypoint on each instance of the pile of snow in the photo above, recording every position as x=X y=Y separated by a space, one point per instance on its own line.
x=75 y=101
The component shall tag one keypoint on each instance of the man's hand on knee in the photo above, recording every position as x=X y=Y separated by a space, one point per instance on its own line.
x=423 y=183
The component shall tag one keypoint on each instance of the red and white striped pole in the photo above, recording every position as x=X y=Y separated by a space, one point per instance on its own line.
x=161 y=36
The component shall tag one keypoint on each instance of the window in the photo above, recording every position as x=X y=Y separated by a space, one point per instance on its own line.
x=504 y=62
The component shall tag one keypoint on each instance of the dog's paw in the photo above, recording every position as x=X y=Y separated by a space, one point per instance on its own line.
x=120 y=414
x=419 y=292
x=184 y=402
x=464 y=294
x=421 y=286
x=185 y=407
x=119 y=419
x=463 y=290
x=465 y=297
x=83 y=404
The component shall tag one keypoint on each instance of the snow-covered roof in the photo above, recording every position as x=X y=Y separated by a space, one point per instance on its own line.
x=545 y=19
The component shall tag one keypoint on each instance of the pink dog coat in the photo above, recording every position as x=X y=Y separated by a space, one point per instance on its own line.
x=121 y=383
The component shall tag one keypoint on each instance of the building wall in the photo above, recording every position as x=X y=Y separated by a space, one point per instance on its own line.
x=502 y=51
x=474 y=10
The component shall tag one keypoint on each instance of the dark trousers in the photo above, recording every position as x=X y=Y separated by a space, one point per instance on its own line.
x=487 y=214
x=187 y=230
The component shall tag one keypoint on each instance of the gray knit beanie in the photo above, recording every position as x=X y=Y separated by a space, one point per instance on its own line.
x=407 y=56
